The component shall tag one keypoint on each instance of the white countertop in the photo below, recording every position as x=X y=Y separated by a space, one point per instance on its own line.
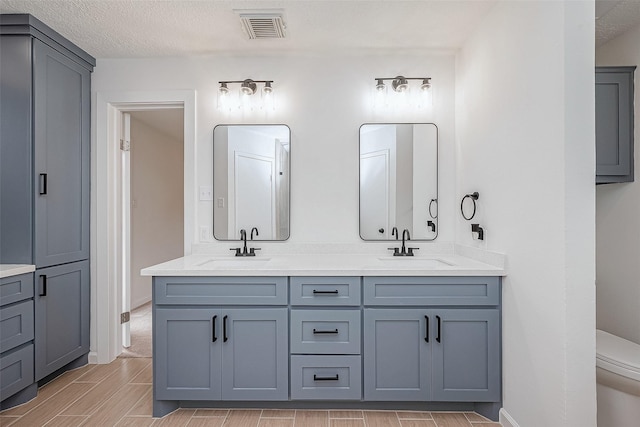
x=8 y=270
x=323 y=265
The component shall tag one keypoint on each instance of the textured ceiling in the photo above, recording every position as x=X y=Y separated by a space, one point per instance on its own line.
x=152 y=28
x=614 y=17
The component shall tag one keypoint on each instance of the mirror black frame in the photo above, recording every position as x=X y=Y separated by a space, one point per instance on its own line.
x=214 y=180
x=436 y=200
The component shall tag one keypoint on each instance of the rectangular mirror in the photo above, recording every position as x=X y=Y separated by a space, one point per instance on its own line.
x=251 y=181
x=398 y=181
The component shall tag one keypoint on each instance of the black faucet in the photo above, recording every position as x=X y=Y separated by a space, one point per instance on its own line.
x=394 y=232
x=431 y=225
x=244 y=251
x=404 y=251
x=256 y=230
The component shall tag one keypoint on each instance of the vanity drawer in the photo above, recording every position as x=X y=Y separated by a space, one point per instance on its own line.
x=16 y=370
x=326 y=378
x=16 y=288
x=220 y=290
x=16 y=325
x=325 y=291
x=325 y=331
x=398 y=290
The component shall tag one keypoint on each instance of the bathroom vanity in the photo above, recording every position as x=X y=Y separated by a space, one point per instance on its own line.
x=327 y=331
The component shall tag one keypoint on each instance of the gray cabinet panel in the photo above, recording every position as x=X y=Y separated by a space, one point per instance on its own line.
x=187 y=360
x=16 y=325
x=61 y=157
x=466 y=359
x=255 y=354
x=16 y=370
x=431 y=291
x=325 y=291
x=221 y=290
x=16 y=288
x=61 y=316
x=326 y=378
x=16 y=195
x=397 y=364
x=325 y=331
x=614 y=94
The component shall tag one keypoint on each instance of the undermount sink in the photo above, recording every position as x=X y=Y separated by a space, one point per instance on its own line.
x=415 y=261
x=238 y=262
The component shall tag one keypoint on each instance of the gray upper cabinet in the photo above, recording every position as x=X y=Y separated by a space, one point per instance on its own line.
x=614 y=124
x=44 y=146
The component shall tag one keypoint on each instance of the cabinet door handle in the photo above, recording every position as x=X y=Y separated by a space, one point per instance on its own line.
x=225 y=338
x=43 y=280
x=317 y=292
x=426 y=328
x=439 y=328
x=43 y=184
x=320 y=332
x=214 y=338
x=334 y=378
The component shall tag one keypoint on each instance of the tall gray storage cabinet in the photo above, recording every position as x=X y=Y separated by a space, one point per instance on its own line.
x=45 y=103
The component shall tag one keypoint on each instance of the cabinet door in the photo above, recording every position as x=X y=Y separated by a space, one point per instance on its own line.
x=61 y=316
x=61 y=108
x=187 y=354
x=466 y=355
x=614 y=124
x=255 y=354
x=397 y=355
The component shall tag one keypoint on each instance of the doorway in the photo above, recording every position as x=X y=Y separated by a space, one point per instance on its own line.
x=152 y=179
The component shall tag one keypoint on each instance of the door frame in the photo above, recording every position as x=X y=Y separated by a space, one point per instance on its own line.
x=106 y=224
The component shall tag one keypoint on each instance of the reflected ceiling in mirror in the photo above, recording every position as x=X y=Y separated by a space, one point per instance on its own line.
x=398 y=181
x=251 y=181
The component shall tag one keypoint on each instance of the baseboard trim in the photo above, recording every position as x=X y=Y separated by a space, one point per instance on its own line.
x=507 y=420
x=140 y=302
x=93 y=358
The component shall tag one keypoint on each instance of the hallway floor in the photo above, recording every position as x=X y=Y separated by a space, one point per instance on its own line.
x=119 y=394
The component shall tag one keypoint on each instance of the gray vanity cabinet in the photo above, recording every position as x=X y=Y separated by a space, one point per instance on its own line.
x=614 y=124
x=61 y=316
x=397 y=356
x=432 y=338
x=220 y=338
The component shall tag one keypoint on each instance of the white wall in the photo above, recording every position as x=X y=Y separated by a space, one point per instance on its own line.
x=324 y=98
x=157 y=191
x=524 y=139
x=618 y=220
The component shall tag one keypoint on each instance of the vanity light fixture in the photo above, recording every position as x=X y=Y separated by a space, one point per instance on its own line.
x=242 y=98
x=402 y=94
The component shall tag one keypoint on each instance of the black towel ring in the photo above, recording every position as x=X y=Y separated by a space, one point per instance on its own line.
x=431 y=203
x=473 y=196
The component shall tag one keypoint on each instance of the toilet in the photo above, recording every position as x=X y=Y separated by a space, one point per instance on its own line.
x=618 y=381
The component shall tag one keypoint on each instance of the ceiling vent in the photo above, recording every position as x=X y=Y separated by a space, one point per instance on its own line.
x=263 y=24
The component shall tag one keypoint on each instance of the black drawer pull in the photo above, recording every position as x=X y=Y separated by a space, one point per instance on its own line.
x=321 y=332
x=317 y=378
x=317 y=292
x=426 y=329
x=43 y=184
x=225 y=338
x=439 y=328
x=43 y=279
x=214 y=338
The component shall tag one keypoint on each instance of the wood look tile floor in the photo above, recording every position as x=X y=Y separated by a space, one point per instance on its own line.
x=119 y=394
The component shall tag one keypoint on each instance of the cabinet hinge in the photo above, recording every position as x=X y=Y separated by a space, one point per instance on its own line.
x=125 y=145
x=124 y=317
